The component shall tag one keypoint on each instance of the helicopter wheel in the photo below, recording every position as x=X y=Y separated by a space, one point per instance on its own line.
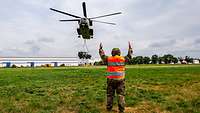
x=79 y=36
x=91 y=31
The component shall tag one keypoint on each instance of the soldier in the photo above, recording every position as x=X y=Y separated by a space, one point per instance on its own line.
x=115 y=76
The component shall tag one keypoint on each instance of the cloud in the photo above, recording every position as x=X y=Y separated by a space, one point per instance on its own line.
x=14 y=52
x=29 y=42
x=46 y=40
x=163 y=44
x=35 y=49
x=35 y=46
x=197 y=41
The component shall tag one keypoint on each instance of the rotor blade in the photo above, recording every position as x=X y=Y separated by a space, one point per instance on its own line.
x=70 y=20
x=64 y=13
x=84 y=9
x=104 y=22
x=106 y=15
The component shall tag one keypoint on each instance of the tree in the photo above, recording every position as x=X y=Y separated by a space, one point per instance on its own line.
x=62 y=65
x=175 y=60
x=133 y=60
x=188 y=59
x=180 y=59
x=146 y=60
x=154 y=59
x=160 y=60
x=14 y=66
x=168 y=58
x=139 y=60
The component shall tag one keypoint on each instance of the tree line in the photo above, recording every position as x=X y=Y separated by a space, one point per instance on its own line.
x=165 y=59
x=155 y=59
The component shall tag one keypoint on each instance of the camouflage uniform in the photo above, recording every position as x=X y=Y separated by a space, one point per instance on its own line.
x=114 y=85
x=119 y=87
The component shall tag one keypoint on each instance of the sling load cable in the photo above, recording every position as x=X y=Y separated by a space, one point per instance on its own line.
x=85 y=45
x=85 y=53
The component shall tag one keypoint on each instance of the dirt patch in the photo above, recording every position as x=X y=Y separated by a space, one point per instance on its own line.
x=186 y=92
x=142 y=107
x=64 y=110
x=145 y=107
x=151 y=87
x=190 y=91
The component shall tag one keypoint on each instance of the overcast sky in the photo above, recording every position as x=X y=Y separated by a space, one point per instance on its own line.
x=29 y=28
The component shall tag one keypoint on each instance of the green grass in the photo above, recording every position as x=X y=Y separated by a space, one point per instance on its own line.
x=149 y=88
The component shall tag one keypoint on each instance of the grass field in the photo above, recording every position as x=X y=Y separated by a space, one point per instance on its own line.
x=149 y=89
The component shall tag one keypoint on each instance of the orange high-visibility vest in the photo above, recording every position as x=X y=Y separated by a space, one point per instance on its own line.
x=116 y=67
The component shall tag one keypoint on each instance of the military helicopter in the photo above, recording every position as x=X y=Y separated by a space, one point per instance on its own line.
x=85 y=30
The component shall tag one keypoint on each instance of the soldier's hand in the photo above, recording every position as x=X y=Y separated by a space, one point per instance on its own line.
x=100 y=46
x=130 y=48
x=129 y=45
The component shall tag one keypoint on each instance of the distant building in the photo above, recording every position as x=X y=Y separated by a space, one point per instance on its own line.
x=196 y=61
x=38 y=61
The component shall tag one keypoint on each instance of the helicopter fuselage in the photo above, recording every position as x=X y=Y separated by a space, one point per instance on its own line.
x=84 y=21
x=85 y=29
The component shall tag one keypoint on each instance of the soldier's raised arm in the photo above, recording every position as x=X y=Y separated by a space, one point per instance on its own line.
x=102 y=54
x=130 y=52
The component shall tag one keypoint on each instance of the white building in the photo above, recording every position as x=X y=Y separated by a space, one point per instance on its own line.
x=196 y=61
x=38 y=61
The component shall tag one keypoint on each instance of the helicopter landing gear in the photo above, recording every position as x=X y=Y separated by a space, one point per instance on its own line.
x=79 y=36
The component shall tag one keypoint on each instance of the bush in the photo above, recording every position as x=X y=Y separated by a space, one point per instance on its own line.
x=62 y=65
x=99 y=63
x=13 y=66
x=47 y=65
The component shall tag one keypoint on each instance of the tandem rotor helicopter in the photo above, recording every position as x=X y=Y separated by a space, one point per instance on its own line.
x=85 y=27
x=85 y=23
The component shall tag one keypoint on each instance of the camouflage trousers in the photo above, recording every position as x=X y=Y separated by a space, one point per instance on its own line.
x=117 y=86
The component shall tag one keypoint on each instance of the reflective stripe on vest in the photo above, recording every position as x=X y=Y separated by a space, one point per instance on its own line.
x=116 y=73
x=116 y=63
x=116 y=67
x=116 y=77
